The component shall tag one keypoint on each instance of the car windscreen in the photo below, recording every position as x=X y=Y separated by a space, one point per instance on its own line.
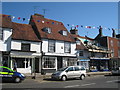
x=62 y=69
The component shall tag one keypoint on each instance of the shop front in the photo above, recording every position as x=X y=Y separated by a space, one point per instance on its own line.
x=84 y=62
x=99 y=64
x=23 y=62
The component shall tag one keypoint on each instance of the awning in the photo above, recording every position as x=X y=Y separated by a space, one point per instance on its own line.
x=84 y=60
x=100 y=58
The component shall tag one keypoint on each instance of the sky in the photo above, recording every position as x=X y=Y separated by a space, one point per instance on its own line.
x=92 y=14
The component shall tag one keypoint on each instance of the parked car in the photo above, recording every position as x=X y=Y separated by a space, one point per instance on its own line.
x=69 y=72
x=9 y=75
x=116 y=71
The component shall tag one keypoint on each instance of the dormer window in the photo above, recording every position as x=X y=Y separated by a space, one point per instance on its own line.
x=47 y=29
x=63 y=32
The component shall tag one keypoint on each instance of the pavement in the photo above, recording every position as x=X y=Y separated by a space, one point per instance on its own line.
x=48 y=75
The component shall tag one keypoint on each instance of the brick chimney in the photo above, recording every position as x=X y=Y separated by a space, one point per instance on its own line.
x=100 y=31
x=113 y=34
x=74 y=31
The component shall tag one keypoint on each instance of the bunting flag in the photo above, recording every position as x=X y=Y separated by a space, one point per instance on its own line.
x=88 y=26
x=18 y=18
x=13 y=17
x=38 y=20
x=42 y=21
x=82 y=26
x=47 y=22
x=68 y=24
x=77 y=26
x=23 y=19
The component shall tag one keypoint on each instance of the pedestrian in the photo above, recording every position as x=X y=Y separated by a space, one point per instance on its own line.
x=15 y=66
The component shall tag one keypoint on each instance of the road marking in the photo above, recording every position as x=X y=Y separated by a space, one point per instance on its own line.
x=111 y=81
x=72 y=86
x=79 y=85
x=88 y=84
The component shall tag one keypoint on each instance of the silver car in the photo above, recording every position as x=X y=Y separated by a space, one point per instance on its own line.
x=69 y=72
x=116 y=71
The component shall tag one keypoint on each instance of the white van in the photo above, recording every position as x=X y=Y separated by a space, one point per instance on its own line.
x=69 y=72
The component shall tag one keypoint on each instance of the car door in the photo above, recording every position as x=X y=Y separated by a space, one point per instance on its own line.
x=70 y=72
x=77 y=71
x=82 y=70
x=6 y=74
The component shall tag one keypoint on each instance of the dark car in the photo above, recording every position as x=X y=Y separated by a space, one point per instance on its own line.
x=9 y=75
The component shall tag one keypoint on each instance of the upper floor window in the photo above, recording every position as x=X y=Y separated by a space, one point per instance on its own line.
x=1 y=34
x=47 y=29
x=51 y=46
x=78 y=42
x=111 y=43
x=25 y=47
x=81 y=53
x=119 y=43
x=67 y=47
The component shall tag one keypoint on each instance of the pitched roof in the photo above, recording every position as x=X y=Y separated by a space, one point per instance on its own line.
x=5 y=21
x=54 y=25
x=23 y=32
x=77 y=36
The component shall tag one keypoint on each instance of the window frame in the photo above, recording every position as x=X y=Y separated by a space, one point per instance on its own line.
x=23 y=47
x=44 y=59
x=68 y=46
x=51 y=44
x=1 y=34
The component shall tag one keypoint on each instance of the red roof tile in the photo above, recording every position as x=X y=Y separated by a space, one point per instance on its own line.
x=5 y=21
x=23 y=32
x=54 y=25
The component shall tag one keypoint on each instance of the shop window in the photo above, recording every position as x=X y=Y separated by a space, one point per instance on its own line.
x=67 y=47
x=25 y=47
x=49 y=62
x=71 y=62
x=1 y=34
x=51 y=46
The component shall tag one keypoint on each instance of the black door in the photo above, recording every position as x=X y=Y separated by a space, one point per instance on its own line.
x=59 y=62
x=37 y=65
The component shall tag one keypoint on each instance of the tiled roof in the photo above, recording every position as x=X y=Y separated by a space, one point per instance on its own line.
x=23 y=32
x=54 y=25
x=77 y=36
x=5 y=21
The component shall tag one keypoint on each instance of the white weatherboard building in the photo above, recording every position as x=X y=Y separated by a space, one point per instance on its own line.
x=58 y=46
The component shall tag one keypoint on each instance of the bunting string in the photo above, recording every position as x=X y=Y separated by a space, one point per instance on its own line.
x=69 y=25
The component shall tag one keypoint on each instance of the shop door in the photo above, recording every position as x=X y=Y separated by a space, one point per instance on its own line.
x=37 y=65
x=59 y=62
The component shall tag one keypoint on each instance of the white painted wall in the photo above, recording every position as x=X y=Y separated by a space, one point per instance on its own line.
x=34 y=46
x=16 y=45
x=59 y=47
x=5 y=43
x=45 y=45
x=73 y=47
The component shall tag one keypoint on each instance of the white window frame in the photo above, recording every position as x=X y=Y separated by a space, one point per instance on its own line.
x=67 y=46
x=51 y=45
x=45 y=59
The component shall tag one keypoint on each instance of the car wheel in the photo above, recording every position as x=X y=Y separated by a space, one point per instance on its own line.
x=17 y=80
x=64 y=78
x=82 y=77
